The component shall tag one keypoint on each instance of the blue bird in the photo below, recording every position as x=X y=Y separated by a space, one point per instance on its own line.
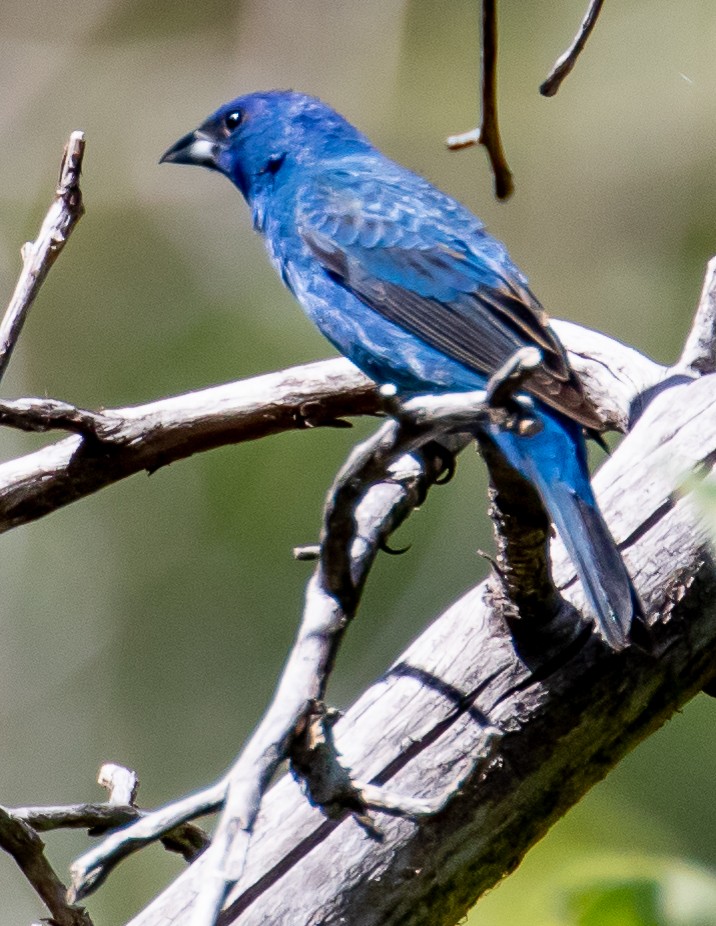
x=407 y=283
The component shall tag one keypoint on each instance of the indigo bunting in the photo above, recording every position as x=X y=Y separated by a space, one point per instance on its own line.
x=406 y=282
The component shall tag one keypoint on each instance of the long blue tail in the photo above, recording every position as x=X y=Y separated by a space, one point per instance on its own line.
x=554 y=461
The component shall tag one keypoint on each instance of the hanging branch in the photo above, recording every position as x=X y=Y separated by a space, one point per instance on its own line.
x=488 y=132
x=564 y=64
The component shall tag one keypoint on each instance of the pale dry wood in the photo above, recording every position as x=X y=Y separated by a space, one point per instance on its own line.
x=480 y=724
x=120 y=783
x=150 y=436
x=360 y=514
x=20 y=841
x=699 y=354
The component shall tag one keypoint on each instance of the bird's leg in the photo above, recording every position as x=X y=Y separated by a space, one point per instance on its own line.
x=505 y=410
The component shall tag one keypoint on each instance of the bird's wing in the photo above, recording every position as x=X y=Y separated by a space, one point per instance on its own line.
x=424 y=263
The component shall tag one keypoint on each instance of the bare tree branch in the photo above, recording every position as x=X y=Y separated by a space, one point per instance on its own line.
x=186 y=840
x=362 y=511
x=331 y=601
x=19 y=828
x=125 y=441
x=39 y=255
x=699 y=354
x=564 y=64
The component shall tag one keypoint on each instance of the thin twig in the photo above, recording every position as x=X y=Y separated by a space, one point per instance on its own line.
x=488 y=132
x=564 y=64
x=39 y=255
x=186 y=840
x=91 y=869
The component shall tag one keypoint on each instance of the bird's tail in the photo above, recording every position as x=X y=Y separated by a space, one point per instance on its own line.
x=554 y=461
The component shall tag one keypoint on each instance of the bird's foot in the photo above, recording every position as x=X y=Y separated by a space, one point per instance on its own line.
x=507 y=410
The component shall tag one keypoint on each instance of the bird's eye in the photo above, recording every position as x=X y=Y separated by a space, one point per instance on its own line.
x=232 y=120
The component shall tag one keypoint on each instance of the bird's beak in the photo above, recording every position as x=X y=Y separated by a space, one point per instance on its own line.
x=194 y=148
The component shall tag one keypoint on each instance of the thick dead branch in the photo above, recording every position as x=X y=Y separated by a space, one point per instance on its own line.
x=562 y=725
x=564 y=64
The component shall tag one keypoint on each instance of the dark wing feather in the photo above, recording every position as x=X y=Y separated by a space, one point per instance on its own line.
x=426 y=265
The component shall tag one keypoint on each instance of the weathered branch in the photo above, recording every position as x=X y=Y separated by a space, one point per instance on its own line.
x=564 y=64
x=182 y=426
x=360 y=515
x=699 y=354
x=20 y=826
x=562 y=726
x=122 y=442
x=187 y=840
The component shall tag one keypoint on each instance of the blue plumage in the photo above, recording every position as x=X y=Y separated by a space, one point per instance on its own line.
x=407 y=283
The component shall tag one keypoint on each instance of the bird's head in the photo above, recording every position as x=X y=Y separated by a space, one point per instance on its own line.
x=254 y=137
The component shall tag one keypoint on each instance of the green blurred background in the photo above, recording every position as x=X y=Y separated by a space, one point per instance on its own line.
x=147 y=625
